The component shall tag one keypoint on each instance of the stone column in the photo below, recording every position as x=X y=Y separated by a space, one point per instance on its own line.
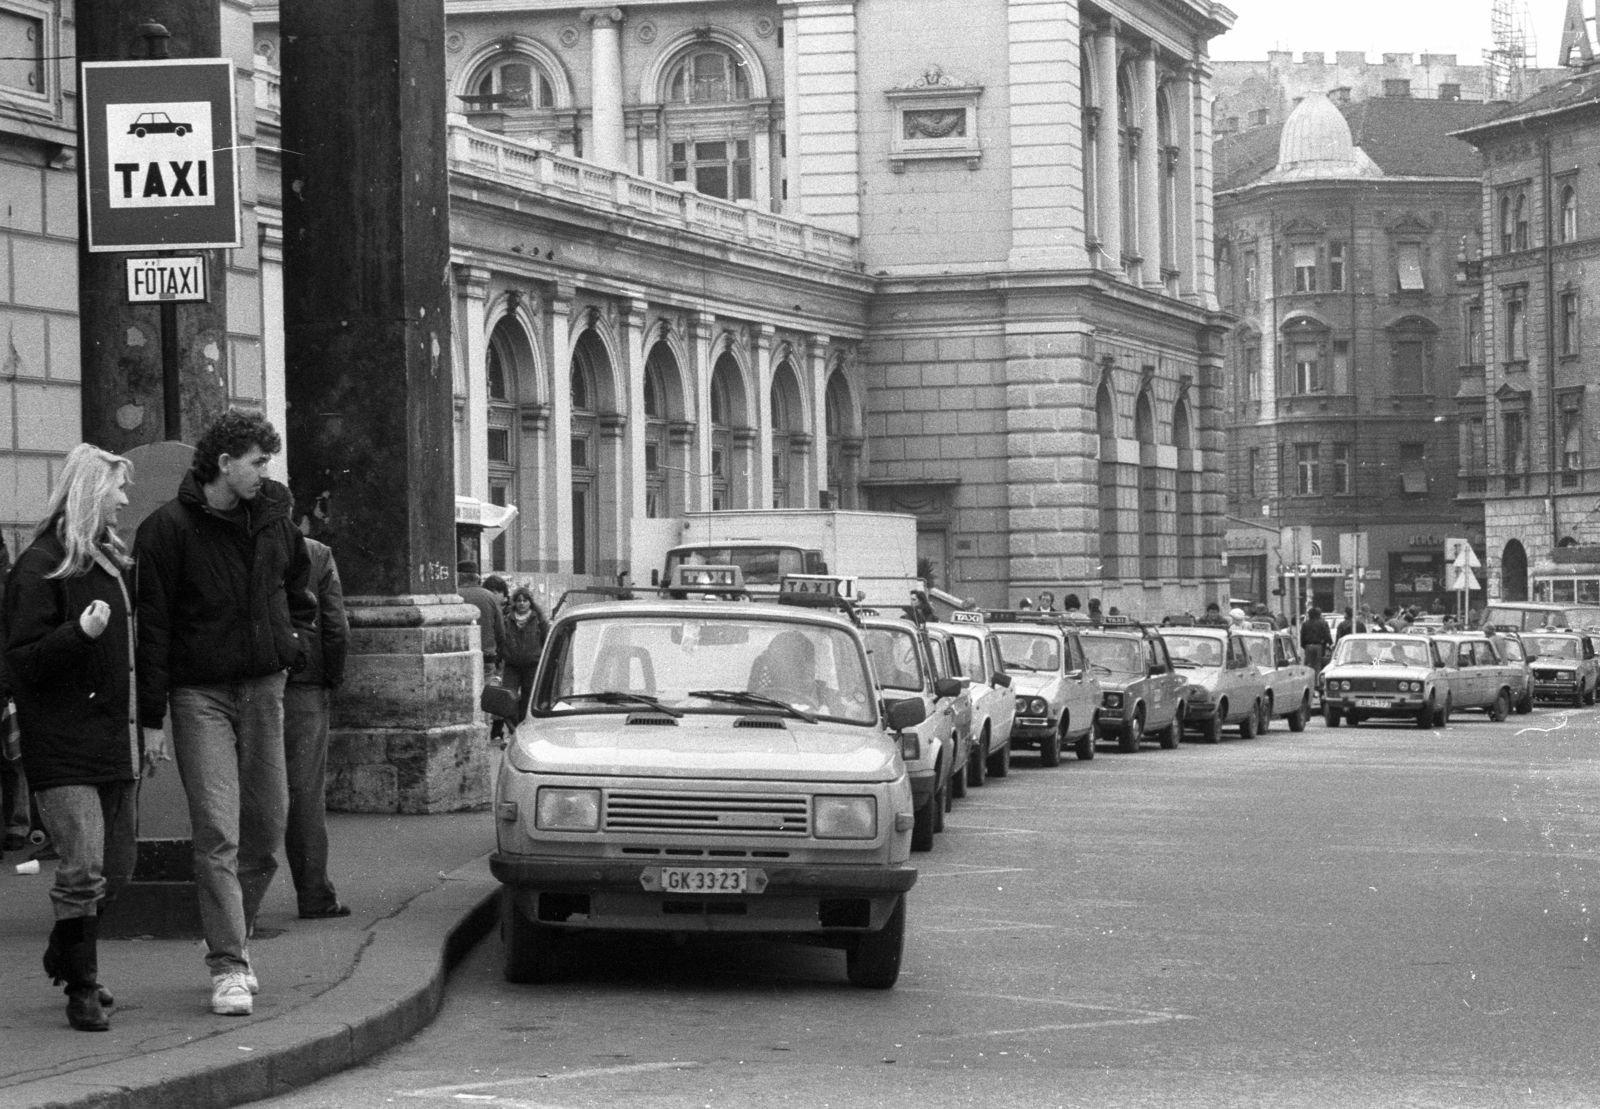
x=761 y=336
x=367 y=310
x=561 y=324
x=474 y=282
x=702 y=342
x=607 y=146
x=123 y=386
x=1150 y=166
x=1108 y=175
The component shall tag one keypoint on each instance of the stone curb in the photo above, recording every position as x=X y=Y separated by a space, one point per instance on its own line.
x=391 y=993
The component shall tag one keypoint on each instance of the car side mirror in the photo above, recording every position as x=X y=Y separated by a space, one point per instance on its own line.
x=1001 y=679
x=946 y=687
x=907 y=714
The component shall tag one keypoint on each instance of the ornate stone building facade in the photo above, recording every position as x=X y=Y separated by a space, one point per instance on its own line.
x=1356 y=393
x=951 y=258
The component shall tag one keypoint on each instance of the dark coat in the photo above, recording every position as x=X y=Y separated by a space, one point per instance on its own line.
x=330 y=637
x=520 y=647
x=72 y=692
x=219 y=600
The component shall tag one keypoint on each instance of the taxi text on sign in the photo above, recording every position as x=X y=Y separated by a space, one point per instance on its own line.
x=160 y=160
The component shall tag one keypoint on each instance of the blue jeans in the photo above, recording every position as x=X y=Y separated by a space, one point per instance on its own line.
x=95 y=831
x=305 y=840
x=228 y=741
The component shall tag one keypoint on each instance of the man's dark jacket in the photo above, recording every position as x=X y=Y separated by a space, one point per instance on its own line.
x=219 y=600
x=71 y=690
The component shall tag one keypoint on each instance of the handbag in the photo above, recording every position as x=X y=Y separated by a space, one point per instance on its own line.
x=497 y=700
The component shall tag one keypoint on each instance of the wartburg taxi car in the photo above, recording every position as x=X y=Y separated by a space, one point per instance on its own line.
x=706 y=765
x=1224 y=686
x=1057 y=699
x=1385 y=675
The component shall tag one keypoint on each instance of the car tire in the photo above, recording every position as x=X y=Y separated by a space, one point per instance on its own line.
x=1172 y=735
x=978 y=770
x=1426 y=713
x=1247 y=726
x=922 y=826
x=1084 y=748
x=531 y=949
x=872 y=961
x=1330 y=716
x=1131 y=734
x=1297 y=719
x=1501 y=707
x=1000 y=762
x=1264 y=718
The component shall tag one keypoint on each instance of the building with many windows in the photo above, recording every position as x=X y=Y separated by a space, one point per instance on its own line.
x=1356 y=397
x=949 y=258
x=1541 y=231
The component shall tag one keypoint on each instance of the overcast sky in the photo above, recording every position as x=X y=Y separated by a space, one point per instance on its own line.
x=1460 y=27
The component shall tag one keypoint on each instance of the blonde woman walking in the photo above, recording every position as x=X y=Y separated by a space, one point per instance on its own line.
x=70 y=653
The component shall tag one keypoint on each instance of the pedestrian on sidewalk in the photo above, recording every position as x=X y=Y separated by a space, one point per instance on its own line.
x=306 y=704
x=524 y=633
x=224 y=612
x=69 y=614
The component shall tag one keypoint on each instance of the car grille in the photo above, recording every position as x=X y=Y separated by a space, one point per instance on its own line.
x=765 y=814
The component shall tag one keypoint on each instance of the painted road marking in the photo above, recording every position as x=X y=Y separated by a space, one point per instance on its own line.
x=466 y=1090
x=1133 y=1017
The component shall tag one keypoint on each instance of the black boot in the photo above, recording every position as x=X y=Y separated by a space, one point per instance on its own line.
x=82 y=964
x=68 y=932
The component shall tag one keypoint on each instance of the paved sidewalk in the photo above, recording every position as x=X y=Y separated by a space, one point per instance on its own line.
x=333 y=992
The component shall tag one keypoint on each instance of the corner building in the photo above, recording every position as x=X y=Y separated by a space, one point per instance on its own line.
x=1357 y=358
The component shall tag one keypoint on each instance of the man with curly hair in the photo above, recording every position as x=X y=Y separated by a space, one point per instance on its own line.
x=224 y=616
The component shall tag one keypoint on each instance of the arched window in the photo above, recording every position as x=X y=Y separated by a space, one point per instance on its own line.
x=1507 y=228
x=1091 y=150
x=514 y=81
x=709 y=131
x=1522 y=240
x=1569 y=214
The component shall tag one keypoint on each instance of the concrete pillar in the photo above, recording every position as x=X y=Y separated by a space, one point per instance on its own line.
x=761 y=337
x=120 y=344
x=367 y=311
x=474 y=281
x=607 y=145
x=561 y=325
x=1108 y=176
x=702 y=345
x=1150 y=166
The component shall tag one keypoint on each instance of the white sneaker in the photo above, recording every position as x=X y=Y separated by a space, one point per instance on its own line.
x=230 y=994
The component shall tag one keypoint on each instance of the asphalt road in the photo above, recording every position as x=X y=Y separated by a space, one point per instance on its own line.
x=1378 y=916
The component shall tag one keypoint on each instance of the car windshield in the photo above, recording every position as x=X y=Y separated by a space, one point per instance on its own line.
x=1029 y=650
x=1369 y=650
x=1119 y=655
x=1193 y=650
x=616 y=663
x=896 y=662
x=1548 y=647
x=1260 y=648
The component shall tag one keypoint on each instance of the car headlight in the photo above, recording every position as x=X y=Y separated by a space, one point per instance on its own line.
x=568 y=810
x=844 y=817
x=1112 y=700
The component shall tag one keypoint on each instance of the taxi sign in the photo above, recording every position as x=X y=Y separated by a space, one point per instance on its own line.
x=160 y=154
x=966 y=618
x=821 y=585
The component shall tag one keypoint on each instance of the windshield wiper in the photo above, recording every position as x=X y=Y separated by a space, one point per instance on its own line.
x=745 y=697
x=614 y=697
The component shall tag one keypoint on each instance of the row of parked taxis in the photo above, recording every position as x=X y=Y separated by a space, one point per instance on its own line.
x=716 y=759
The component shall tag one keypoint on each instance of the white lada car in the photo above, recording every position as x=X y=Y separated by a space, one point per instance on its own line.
x=706 y=765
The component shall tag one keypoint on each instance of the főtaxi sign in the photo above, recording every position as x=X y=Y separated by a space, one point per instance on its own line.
x=160 y=167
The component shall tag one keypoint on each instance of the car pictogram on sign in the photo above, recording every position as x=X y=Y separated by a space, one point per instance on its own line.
x=157 y=123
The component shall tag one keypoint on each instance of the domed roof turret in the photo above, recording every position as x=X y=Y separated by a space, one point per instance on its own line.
x=1316 y=145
